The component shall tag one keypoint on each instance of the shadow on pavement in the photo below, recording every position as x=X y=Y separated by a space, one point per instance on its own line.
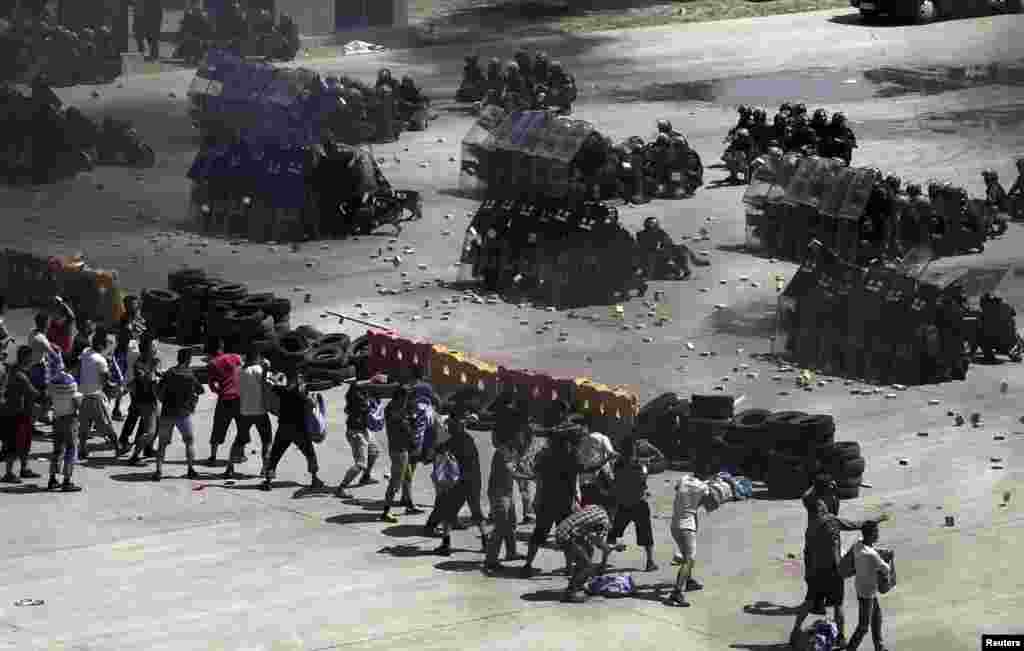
x=305 y=492
x=23 y=489
x=544 y=596
x=353 y=518
x=460 y=566
x=368 y=505
x=256 y=487
x=406 y=551
x=769 y=609
x=404 y=531
x=134 y=477
x=771 y=646
x=765 y=495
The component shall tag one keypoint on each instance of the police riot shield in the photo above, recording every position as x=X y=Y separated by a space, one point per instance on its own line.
x=857 y=194
x=757 y=190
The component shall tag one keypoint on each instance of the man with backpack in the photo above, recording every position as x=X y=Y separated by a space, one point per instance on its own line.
x=401 y=446
x=463 y=451
x=365 y=418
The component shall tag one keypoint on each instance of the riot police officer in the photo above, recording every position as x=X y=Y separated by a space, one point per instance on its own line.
x=995 y=196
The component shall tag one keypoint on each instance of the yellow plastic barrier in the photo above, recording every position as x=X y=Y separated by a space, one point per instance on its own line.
x=445 y=368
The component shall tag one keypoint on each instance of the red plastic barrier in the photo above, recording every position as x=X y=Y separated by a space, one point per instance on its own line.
x=410 y=352
x=523 y=384
x=382 y=344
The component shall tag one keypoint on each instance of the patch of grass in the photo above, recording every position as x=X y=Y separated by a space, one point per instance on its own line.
x=697 y=11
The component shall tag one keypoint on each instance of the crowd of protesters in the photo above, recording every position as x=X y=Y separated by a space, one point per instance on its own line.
x=67 y=374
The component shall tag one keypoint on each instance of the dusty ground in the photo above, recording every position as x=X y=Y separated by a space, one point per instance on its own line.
x=201 y=565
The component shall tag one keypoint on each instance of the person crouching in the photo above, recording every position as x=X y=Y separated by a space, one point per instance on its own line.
x=578 y=535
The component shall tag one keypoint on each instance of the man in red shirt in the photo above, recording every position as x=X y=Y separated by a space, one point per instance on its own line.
x=224 y=371
x=61 y=331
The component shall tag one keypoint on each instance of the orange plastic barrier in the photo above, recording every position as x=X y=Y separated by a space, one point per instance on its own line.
x=552 y=389
x=612 y=410
x=479 y=374
x=444 y=368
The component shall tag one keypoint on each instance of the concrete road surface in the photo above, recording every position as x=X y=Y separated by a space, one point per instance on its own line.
x=207 y=565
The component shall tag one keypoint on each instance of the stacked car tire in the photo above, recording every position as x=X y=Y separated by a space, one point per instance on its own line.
x=161 y=308
x=710 y=417
x=843 y=461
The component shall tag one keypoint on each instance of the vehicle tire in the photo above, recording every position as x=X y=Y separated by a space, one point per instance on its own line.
x=326 y=356
x=252 y=302
x=176 y=280
x=232 y=292
x=291 y=350
x=280 y=309
x=360 y=346
x=660 y=405
x=338 y=339
x=839 y=451
x=781 y=427
x=161 y=298
x=816 y=429
x=848 y=493
x=868 y=16
x=751 y=419
x=854 y=481
x=657 y=466
x=718 y=407
x=311 y=334
x=849 y=468
x=1013 y=6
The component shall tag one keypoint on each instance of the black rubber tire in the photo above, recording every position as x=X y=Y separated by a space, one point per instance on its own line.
x=840 y=451
x=751 y=419
x=228 y=292
x=264 y=346
x=654 y=409
x=714 y=406
x=337 y=339
x=848 y=493
x=161 y=297
x=335 y=375
x=252 y=302
x=326 y=356
x=853 y=481
x=311 y=334
x=849 y=467
x=177 y=280
x=782 y=429
x=657 y=466
x=817 y=429
x=360 y=346
x=280 y=309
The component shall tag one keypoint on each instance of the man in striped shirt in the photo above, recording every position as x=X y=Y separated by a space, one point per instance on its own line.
x=578 y=535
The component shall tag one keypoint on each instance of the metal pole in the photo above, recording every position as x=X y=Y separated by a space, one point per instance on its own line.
x=360 y=321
